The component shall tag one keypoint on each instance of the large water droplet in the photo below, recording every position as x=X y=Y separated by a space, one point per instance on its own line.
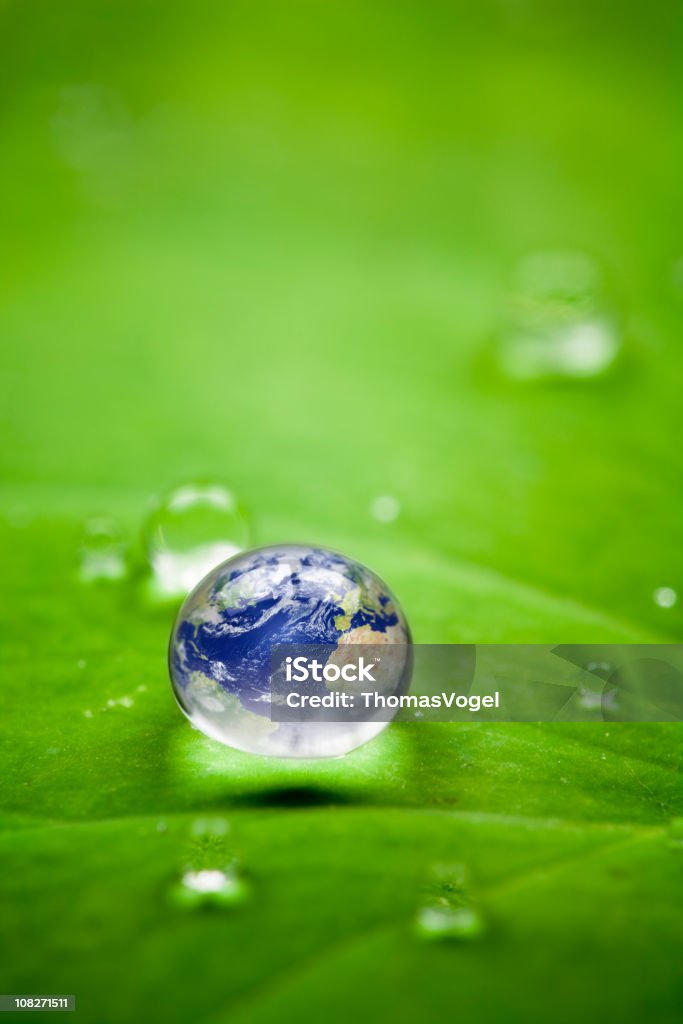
x=102 y=551
x=192 y=530
x=559 y=323
x=448 y=910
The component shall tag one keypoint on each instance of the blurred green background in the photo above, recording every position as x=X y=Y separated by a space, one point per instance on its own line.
x=271 y=243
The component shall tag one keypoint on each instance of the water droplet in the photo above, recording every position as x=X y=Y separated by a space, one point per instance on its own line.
x=192 y=530
x=676 y=834
x=121 y=702
x=665 y=597
x=87 y=713
x=102 y=551
x=385 y=508
x=447 y=910
x=559 y=323
x=443 y=922
x=220 y=887
x=141 y=689
x=212 y=876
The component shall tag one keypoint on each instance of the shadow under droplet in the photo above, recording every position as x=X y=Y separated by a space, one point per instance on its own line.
x=295 y=796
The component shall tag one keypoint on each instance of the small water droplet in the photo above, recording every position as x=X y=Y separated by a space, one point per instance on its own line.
x=102 y=551
x=212 y=876
x=142 y=688
x=190 y=531
x=87 y=713
x=559 y=323
x=603 y=757
x=676 y=834
x=665 y=597
x=120 y=702
x=385 y=508
x=219 y=887
x=447 y=910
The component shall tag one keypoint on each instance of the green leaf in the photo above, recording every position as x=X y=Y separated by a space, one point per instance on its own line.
x=270 y=244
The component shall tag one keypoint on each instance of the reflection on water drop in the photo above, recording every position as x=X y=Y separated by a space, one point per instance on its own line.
x=192 y=530
x=102 y=551
x=589 y=700
x=665 y=597
x=385 y=508
x=447 y=910
x=559 y=323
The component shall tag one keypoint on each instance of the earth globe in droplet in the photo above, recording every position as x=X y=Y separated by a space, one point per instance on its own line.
x=223 y=638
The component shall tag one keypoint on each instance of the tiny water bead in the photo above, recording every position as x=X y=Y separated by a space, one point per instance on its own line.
x=190 y=531
x=448 y=911
x=559 y=322
x=221 y=644
x=665 y=597
x=102 y=551
x=385 y=508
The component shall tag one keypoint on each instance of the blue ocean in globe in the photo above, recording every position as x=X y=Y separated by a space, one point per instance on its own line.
x=221 y=646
